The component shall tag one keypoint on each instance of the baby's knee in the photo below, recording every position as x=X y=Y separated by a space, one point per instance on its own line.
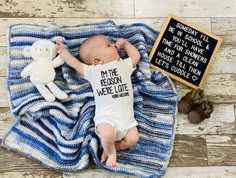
x=136 y=139
x=133 y=140
x=106 y=132
x=106 y=136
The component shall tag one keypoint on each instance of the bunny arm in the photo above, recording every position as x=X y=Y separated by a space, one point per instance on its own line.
x=27 y=70
x=58 y=61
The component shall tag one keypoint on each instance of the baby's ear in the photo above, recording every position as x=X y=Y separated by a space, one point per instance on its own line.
x=27 y=51
x=97 y=61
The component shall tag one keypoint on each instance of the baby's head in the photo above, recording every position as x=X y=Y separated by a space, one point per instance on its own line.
x=98 y=50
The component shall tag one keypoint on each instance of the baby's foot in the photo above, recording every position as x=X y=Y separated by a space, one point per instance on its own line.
x=111 y=160
x=104 y=156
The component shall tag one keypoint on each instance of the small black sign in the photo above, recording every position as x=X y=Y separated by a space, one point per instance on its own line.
x=184 y=52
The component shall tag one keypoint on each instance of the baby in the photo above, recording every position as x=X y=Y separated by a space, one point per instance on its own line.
x=110 y=77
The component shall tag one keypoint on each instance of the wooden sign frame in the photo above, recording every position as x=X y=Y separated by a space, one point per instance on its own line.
x=198 y=29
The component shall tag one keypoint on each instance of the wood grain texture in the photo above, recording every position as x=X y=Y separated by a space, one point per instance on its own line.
x=14 y=164
x=3 y=93
x=3 y=61
x=219 y=88
x=225 y=60
x=31 y=174
x=172 y=172
x=185 y=8
x=155 y=23
x=6 y=121
x=189 y=150
x=221 y=150
x=225 y=27
x=201 y=172
x=200 y=151
x=95 y=173
x=222 y=121
x=224 y=63
x=67 y=8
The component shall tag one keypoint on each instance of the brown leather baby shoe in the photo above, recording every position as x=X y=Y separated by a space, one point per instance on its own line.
x=203 y=111
x=191 y=100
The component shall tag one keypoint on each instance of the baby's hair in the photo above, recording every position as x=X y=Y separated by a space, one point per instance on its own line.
x=80 y=56
x=83 y=53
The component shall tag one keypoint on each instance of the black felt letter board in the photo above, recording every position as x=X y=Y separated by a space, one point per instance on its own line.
x=185 y=52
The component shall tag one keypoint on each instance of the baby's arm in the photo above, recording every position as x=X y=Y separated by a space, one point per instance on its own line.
x=58 y=61
x=69 y=58
x=131 y=50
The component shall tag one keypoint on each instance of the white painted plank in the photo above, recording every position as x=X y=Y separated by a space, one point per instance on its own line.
x=219 y=88
x=222 y=121
x=225 y=60
x=3 y=93
x=225 y=27
x=33 y=174
x=6 y=121
x=95 y=173
x=67 y=8
x=3 y=61
x=201 y=172
x=172 y=172
x=185 y=8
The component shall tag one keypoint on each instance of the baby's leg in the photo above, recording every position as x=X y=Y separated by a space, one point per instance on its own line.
x=131 y=139
x=107 y=135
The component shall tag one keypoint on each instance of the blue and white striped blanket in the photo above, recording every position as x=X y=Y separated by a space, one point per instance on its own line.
x=61 y=134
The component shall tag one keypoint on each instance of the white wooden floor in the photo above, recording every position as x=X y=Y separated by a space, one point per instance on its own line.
x=206 y=150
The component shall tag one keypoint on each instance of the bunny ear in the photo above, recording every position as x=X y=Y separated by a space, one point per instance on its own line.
x=27 y=51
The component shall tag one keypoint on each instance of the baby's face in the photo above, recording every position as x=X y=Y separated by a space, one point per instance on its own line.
x=105 y=50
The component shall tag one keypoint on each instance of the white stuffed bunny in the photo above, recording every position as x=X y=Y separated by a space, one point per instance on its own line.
x=41 y=70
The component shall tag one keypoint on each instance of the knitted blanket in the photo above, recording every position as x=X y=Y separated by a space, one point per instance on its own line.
x=61 y=134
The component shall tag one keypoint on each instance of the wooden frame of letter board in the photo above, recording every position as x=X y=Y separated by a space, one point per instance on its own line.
x=219 y=41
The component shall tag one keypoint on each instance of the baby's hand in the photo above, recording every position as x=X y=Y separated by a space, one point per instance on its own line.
x=59 y=47
x=120 y=43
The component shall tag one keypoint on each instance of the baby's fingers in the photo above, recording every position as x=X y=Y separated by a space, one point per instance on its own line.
x=120 y=43
x=58 y=46
x=59 y=43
